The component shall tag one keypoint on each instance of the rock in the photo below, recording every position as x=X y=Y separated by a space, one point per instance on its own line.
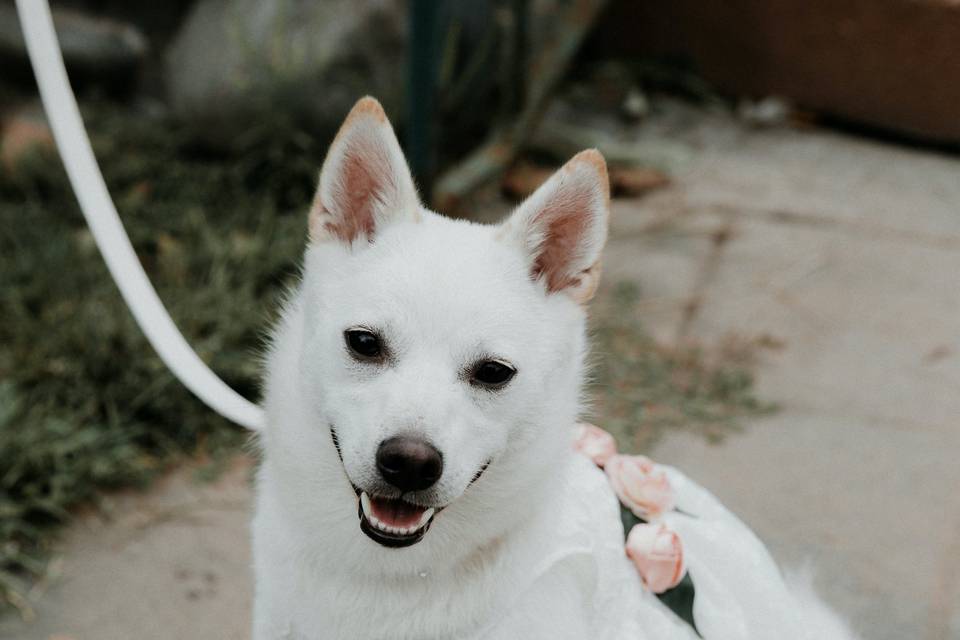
x=771 y=111
x=635 y=105
x=92 y=47
x=239 y=65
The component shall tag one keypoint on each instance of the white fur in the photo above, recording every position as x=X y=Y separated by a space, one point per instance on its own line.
x=443 y=293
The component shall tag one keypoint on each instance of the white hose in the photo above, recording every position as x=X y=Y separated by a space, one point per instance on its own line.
x=101 y=215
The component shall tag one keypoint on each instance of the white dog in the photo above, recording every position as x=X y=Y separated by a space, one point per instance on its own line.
x=418 y=480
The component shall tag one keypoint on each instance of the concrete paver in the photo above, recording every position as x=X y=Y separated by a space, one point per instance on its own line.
x=868 y=326
x=846 y=253
x=861 y=505
x=660 y=252
x=172 y=563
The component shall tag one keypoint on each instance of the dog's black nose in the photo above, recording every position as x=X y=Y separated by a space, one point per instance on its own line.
x=409 y=464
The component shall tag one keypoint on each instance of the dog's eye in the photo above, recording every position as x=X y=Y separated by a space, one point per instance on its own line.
x=363 y=343
x=492 y=373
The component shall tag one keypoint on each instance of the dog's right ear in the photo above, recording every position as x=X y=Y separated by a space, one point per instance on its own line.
x=364 y=181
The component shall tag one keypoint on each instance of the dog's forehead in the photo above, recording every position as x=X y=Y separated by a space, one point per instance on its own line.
x=443 y=274
x=449 y=255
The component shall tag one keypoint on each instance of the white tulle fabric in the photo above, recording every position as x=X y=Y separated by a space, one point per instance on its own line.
x=740 y=592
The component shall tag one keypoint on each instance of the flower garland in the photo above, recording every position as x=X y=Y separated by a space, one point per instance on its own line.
x=645 y=495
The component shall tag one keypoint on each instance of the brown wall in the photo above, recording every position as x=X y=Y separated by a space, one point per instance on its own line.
x=894 y=64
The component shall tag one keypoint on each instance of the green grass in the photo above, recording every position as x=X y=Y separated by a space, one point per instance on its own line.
x=86 y=406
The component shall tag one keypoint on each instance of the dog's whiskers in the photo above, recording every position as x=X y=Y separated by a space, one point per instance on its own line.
x=479 y=473
x=336 y=442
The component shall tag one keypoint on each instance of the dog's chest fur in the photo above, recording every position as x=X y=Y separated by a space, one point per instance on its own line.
x=423 y=605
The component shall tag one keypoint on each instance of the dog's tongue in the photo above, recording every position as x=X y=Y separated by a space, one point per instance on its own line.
x=396 y=513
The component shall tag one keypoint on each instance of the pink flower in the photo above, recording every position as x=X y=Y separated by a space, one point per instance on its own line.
x=657 y=553
x=641 y=485
x=595 y=443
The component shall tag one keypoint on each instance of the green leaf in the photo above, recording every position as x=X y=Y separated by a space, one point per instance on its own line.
x=680 y=601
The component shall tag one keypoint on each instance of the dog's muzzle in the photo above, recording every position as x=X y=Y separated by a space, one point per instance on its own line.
x=392 y=521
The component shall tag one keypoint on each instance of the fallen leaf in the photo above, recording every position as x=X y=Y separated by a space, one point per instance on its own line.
x=523 y=179
x=635 y=181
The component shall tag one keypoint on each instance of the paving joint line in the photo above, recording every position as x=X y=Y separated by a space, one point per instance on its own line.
x=706 y=275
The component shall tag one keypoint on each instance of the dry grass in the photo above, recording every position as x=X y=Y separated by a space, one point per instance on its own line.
x=641 y=388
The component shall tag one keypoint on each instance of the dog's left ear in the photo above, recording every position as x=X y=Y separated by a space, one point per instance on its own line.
x=364 y=181
x=562 y=227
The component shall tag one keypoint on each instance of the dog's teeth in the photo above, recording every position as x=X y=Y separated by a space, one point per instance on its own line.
x=372 y=519
x=375 y=522
x=425 y=518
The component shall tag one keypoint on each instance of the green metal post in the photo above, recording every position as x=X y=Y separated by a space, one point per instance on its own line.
x=421 y=92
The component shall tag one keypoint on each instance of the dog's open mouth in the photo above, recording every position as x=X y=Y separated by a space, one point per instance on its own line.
x=393 y=522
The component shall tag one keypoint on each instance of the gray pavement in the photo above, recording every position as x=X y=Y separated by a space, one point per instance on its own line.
x=169 y=564
x=843 y=253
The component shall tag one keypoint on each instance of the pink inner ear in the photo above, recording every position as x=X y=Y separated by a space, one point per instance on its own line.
x=566 y=223
x=360 y=188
